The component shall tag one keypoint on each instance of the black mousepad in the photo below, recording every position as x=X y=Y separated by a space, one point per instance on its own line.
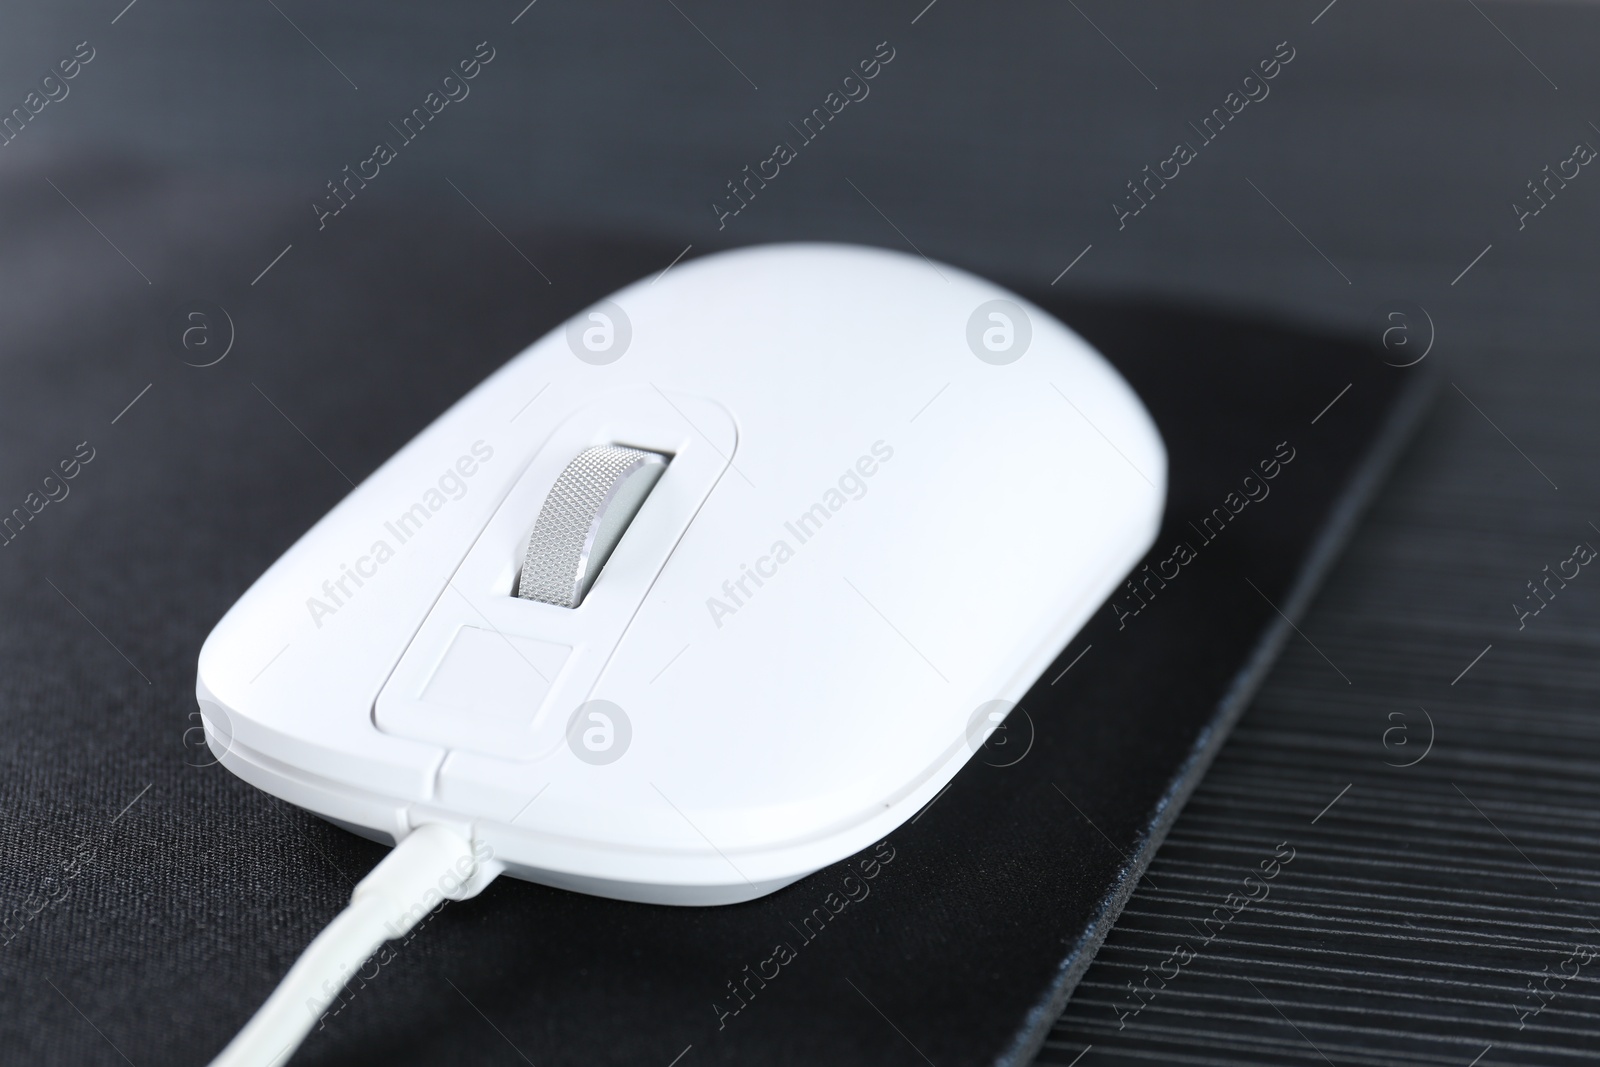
x=153 y=900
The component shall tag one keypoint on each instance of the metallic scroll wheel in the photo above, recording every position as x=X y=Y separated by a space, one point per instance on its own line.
x=583 y=518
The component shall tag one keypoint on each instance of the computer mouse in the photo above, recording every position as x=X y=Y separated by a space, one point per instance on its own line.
x=713 y=586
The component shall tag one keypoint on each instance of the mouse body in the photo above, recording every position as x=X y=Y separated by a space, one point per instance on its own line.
x=882 y=495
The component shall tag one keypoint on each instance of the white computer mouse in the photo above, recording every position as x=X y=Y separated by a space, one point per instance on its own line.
x=713 y=586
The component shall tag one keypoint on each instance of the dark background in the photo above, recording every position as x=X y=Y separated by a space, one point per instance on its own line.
x=1424 y=902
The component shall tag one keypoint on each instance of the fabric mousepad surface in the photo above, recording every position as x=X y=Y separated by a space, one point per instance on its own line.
x=164 y=898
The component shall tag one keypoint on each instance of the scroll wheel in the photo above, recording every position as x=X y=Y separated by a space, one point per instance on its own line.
x=585 y=515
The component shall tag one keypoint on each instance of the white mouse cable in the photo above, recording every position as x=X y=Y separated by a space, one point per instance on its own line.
x=431 y=864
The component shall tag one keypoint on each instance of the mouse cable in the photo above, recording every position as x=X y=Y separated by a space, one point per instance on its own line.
x=431 y=864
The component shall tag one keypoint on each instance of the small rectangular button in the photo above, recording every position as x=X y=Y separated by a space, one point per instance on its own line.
x=493 y=675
